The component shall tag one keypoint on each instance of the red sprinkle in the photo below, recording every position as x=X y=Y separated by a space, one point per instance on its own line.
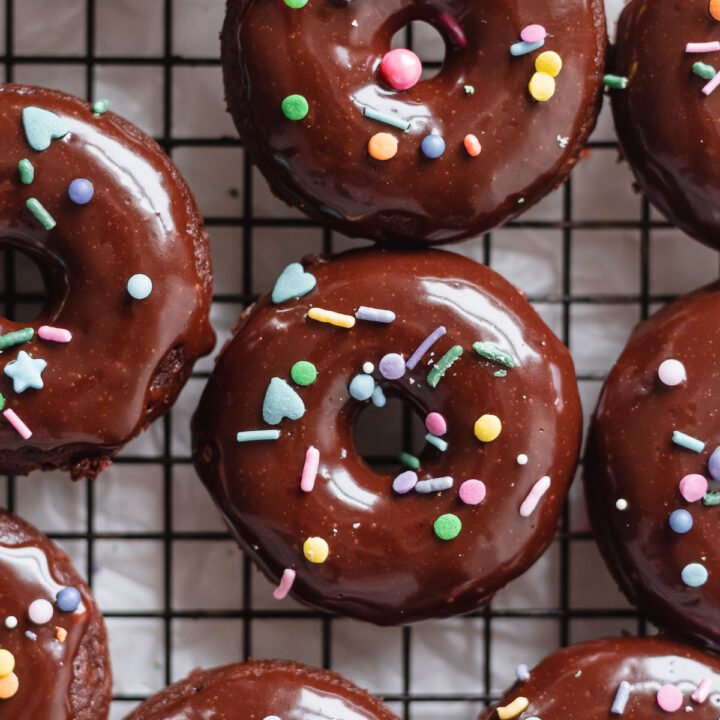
x=472 y=145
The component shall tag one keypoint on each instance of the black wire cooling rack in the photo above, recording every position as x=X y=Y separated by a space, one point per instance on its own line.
x=245 y=225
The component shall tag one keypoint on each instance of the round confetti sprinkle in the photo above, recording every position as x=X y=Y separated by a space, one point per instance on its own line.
x=714 y=9
x=472 y=492
x=693 y=487
x=383 y=146
x=694 y=575
x=139 y=286
x=542 y=86
x=669 y=698
x=40 y=612
x=433 y=146
x=487 y=428
x=549 y=62
x=405 y=482
x=472 y=145
x=621 y=504
x=392 y=366
x=316 y=550
x=11 y=622
x=533 y=33
x=681 y=521
x=368 y=367
x=295 y=107
x=7 y=663
x=361 y=387
x=303 y=372
x=671 y=372
x=81 y=191
x=296 y=4
x=522 y=459
x=401 y=69
x=448 y=526
x=436 y=423
x=68 y=599
x=714 y=464
x=9 y=686
x=271 y=717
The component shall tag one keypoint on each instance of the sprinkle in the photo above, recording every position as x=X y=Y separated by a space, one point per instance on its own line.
x=378 y=397
x=280 y=402
x=316 y=550
x=53 y=334
x=500 y=373
x=619 y=82
x=26 y=372
x=295 y=107
x=521 y=459
x=687 y=441
x=469 y=89
x=669 y=698
x=401 y=69
x=368 y=367
x=492 y=352
x=447 y=526
x=454 y=28
x=361 y=387
x=386 y=118
x=699 y=47
x=424 y=346
x=549 y=62
x=711 y=498
x=40 y=213
x=7 y=663
x=472 y=492
x=333 y=318
x=254 y=435
x=296 y=4
x=17 y=423
x=533 y=33
x=702 y=692
x=40 y=612
x=375 y=314
x=703 y=70
x=523 y=48
x=286 y=583
x=694 y=575
x=438 y=442
x=27 y=171
x=621 y=504
x=693 y=487
x=409 y=460
x=432 y=146
x=522 y=673
x=443 y=364
x=16 y=337
x=81 y=191
x=11 y=622
x=621 y=698
x=512 y=710
x=680 y=521
x=432 y=485
x=312 y=461
x=436 y=423
x=712 y=85
x=383 y=146
x=139 y=286
x=303 y=372
x=542 y=86
x=42 y=127
x=671 y=372
x=61 y=634
x=99 y=107
x=562 y=141
x=538 y=490
x=293 y=282
x=392 y=366
x=714 y=9
x=9 y=686
x=405 y=482
x=472 y=145
x=487 y=428
x=68 y=599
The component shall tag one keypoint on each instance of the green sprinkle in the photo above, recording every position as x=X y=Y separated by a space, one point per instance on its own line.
x=500 y=373
x=443 y=364
x=711 y=498
x=469 y=90
x=448 y=526
x=233 y=192
x=296 y=4
x=15 y=338
x=521 y=201
x=295 y=107
x=705 y=71
x=490 y=351
x=385 y=118
x=303 y=372
x=101 y=106
x=27 y=171
x=42 y=215
x=2 y=402
x=619 y=82
x=409 y=460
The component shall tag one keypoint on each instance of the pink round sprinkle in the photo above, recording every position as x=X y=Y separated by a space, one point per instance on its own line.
x=693 y=487
x=671 y=372
x=392 y=366
x=435 y=423
x=401 y=69
x=40 y=612
x=472 y=492
x=533 y=34
x=669 y=698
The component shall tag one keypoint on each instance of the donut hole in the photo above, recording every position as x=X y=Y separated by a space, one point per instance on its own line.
x=426 y=42
x=24 y=289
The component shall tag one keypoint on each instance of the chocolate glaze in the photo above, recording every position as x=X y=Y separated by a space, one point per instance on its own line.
x=58 y=681
x=386 y=565
x=128 y=358
x=581 y=681
x=630 y=455
x=258 y=690
x=321 y=164
x=667 y=128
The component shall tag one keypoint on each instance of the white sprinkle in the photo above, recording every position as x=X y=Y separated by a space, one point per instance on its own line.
x=368 y=367
x=562 y=141
x=11 y=622
x=621 y=504
x=522 y=459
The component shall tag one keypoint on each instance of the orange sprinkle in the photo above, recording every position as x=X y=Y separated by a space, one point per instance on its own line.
x=61 y=634
x=9 y=686
x=472 y=145
x=383 y=146
x=715 y=9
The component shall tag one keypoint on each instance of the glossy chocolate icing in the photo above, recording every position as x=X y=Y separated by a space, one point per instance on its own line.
x=331 y=54
x=667 y=128
x=581 y=681
x=631 y=456
x=128 y=358
x=57 y=681
x=261 y=690
x=386 y=565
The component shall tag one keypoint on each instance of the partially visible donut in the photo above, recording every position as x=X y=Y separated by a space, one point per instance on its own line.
x=107 y=218
x=61 y=666
x=461 y=347
x=450 y=156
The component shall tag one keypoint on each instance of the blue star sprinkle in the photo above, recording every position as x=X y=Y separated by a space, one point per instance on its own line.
x=25 y=372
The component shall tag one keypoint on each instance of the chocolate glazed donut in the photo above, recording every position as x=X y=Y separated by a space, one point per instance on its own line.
x=102 y=359
x=330 y=54
x=649 y=478
x=460 y=346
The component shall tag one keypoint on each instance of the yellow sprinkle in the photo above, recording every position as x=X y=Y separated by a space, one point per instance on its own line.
x=487 y=427
x=542 y=86
x=316 y=550
x=513 y=709
x=328 y=316
x=549 y=62
x=60 y=634
x=7 y=663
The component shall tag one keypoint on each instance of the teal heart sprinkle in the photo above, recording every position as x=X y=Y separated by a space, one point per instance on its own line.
x=281 y=401
x=293 y=282
x=42 y=127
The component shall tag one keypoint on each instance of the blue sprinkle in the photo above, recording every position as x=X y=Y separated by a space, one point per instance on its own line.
x=621 y=697
x=438 y=442
x=522 y=673
x=362 y=387
x=433 y=146
x=378 y=397
x=81 y=191
x=139 y=286
x=68 y=599
x=694 y=575
x=681 y=521
x=252 y=435
x=375 y=314
x=281 y=401
x=392 y=120
x=687 y=441
x=714 y=464
x=434 y=485
x=523 y=48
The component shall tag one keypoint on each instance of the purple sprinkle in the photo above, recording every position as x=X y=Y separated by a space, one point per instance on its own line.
x=714 y=464
x=81 y=191
x=405 y=482
x=621 y=697
x=392 y=366
x=374 y=314
x=522 y=672
x=424 y=346
x=434 y=485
